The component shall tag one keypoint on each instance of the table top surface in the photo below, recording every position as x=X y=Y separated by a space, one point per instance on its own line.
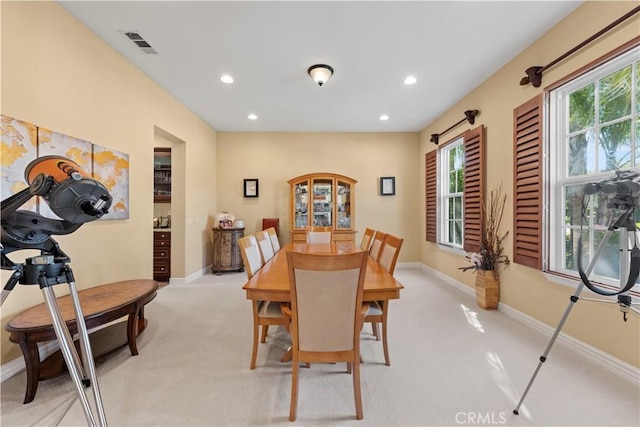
x=271 y=282
x=92 y=300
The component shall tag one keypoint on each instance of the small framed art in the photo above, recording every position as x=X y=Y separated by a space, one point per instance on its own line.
x=388 y=186
x=251 y=187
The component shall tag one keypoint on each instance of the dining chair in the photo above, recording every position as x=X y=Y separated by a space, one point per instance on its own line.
x=367 y=237
x=264 y=312
x=376 y=245
x=378 y=310
x=273 y=236
x=326 y=314
x=265 y=245
x=319 y=235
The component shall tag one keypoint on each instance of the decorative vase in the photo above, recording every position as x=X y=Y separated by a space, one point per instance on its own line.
x=487 y=289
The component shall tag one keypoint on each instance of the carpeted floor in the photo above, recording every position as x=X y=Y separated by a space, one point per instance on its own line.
x=451 y=364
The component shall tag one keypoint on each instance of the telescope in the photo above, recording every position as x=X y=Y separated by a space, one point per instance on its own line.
x=76 y=199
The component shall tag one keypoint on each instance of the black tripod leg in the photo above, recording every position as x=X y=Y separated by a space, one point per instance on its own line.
x=574 y=298
x=11 y=283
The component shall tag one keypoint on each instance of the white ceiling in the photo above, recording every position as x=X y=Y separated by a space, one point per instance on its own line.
x=449 y=46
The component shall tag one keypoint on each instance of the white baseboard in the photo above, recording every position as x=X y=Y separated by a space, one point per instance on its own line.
x=599 y=357
x=189 y=278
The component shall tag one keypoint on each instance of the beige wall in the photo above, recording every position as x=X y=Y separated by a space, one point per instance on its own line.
x=59 y=75
x=275 y=158
x=523 y=288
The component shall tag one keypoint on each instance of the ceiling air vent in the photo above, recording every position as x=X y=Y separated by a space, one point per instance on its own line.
x=137 y=39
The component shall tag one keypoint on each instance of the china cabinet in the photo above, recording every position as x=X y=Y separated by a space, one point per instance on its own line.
x=322 y=200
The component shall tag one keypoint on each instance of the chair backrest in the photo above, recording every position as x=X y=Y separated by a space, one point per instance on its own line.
x=326 y=300
x=389 y=252
x=273 y=236
x=319 y=236
x=367 y=238
x=376 y=245
x=250 y=254
x=264 y=243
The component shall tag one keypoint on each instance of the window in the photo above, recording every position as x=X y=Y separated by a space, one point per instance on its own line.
x=451 y=177
x=594 y=130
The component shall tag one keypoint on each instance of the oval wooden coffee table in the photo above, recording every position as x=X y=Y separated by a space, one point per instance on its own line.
x=100 y=305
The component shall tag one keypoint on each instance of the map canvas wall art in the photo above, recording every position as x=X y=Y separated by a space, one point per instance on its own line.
x=22 y=142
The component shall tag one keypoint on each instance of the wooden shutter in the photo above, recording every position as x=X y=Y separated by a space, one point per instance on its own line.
x=474 y=147
x=527 y=203
x=431 y=180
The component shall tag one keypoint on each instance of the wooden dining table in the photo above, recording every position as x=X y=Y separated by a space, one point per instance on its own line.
x=271 y=282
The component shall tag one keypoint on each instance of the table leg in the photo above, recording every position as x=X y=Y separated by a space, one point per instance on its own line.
x=132 y=332
x=32 y=362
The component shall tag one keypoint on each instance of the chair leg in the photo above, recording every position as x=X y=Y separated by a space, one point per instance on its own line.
x=254 y=352
x=294 y=389
x=384 y=333
x=265 y=330
x=356 y=389
x=374 y=328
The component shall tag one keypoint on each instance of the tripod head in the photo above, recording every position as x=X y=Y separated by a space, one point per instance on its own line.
x=71 y=194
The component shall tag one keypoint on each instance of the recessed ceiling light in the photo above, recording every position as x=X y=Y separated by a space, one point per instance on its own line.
x=384 y=117
x=226 y=78
x=410 y=80
x=252 y=117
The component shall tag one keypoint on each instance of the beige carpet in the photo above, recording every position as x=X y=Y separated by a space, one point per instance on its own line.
x=451 y=364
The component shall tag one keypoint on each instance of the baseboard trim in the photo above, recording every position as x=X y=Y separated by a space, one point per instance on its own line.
x=616 y=366
x=189 y=278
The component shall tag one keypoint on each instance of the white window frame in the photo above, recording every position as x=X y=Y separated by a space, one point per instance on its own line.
x=558 y=159
x=444 y=195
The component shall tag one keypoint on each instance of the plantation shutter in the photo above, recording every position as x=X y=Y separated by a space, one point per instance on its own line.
x=474 y=147
x=431 y=195
x=527 y=204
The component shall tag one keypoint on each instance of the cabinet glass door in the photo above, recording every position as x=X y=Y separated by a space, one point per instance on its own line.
x=343 y=205
x=301 y=207
x=322 y=203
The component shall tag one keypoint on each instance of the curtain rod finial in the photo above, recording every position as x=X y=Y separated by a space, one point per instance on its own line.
x=471 y=115
x=533 y=76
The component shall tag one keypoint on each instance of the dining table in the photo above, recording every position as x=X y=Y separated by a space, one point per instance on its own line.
x=271 y=282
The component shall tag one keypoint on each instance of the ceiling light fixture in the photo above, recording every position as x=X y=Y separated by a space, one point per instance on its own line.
x=384 y=117
x=320 y=73
x=410 y=80
x=226 y=78
x=252 y=117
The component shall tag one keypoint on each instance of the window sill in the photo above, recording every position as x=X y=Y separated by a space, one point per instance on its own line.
x=451 y=249
x=574 y=282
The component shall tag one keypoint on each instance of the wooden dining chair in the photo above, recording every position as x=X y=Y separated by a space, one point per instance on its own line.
x=367 y=238
x=265 y=245
x=376 y=245
x=273 y=236
x=326 y=314
x=378 y=310
x=319 y=235
x=264 y=312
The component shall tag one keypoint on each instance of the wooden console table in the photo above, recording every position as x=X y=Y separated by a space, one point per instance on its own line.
x=100 y=305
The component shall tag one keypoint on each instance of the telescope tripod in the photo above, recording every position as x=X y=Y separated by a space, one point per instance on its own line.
x=47 y=271
x=624 y=223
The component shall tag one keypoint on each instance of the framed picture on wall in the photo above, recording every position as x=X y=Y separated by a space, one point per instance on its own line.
x=388 y=186
x=251 y=187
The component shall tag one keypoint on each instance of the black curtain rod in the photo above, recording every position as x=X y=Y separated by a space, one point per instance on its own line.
x=534 y=74
x=469 y=115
